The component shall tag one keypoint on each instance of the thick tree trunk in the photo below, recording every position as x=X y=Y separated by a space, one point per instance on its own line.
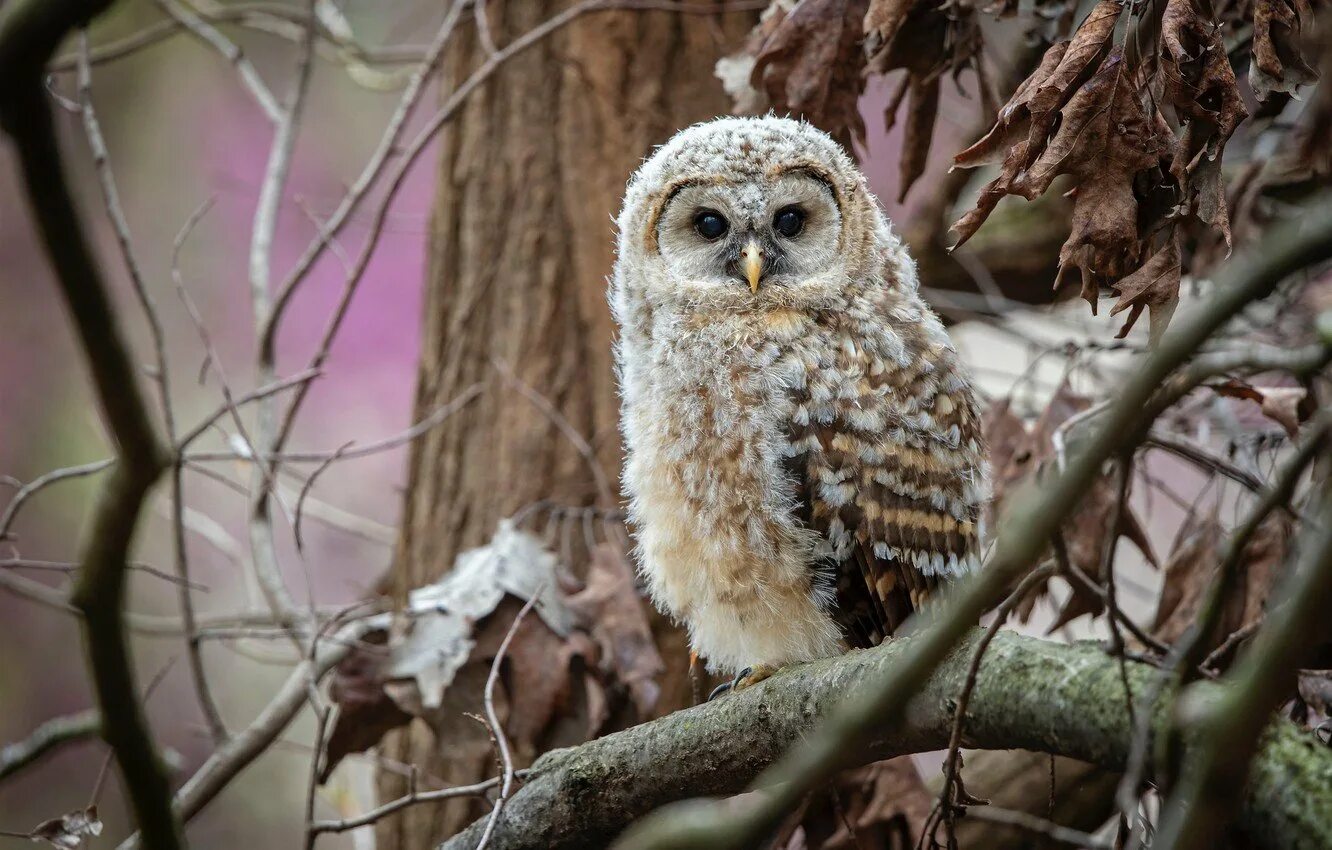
x=530 y=174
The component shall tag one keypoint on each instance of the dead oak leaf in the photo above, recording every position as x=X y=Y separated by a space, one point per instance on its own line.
x=1154 y=287
x=365 y=712
x=1199 y=82
x=1284 y=405
x=810 y=65
x=1277 y=64
x=69 y=831
x=611 y=611
x=1022 y=131
x=1191 y=572
x=1018 y=455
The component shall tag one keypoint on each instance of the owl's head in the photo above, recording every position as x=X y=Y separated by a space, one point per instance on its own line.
x=747 y=212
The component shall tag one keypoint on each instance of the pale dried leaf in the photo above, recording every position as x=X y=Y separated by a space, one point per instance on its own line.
x=69 y=831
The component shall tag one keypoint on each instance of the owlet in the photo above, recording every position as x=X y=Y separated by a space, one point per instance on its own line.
x=804 y=453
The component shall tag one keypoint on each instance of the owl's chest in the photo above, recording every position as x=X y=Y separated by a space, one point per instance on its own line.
x=712 y=432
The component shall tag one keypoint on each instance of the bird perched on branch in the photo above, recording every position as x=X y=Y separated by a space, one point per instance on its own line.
x=804 y=453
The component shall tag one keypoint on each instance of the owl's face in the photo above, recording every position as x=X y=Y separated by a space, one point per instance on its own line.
x=758 y=235
x=738 y=218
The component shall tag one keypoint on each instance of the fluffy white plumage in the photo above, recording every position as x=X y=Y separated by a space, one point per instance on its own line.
x=804 y=461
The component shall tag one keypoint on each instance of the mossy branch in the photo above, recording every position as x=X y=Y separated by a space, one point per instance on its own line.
x=1030 y=694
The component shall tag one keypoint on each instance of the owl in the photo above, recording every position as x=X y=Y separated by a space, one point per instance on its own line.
x=804 y=460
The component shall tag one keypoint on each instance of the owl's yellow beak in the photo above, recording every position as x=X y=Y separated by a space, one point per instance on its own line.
x=751 y=260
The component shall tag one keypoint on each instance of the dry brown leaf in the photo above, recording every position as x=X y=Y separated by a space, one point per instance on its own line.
x=1045 y=103
x=1279 y=29
x=365 y=712
x=536 y=673
x=881 y=805
x=927 y=39
x=810 y=65
x=69 y=831
x=1315 y=691
x=1190 y=573
x=1199 y=82
x=922 y=110
x=611 y=611
x=1154 y=287
x=1286 y=405
x=1019 y=454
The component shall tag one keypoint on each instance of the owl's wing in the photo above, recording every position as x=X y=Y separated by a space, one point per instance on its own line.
x=892 y=478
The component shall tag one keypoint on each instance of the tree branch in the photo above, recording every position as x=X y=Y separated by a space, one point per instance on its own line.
x=29 y=34
x=1030 y=694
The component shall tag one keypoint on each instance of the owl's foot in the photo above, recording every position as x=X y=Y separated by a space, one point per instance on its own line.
x=749 y=676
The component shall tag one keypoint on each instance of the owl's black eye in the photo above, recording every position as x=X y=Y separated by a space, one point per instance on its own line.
x=789 y=222
x=710 y=224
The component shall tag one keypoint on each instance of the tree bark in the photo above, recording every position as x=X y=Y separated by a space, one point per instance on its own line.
x=1030 y=694
x=531 y=173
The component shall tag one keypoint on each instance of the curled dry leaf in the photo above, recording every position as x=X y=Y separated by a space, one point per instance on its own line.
x=610 y=611
x=926 y=39
x=736 y=71
x=1153 y=287
x=1190 y=573
x=810 y=65
x=1315 y=702
x=1279 y=29
x=881 y=805
x=1019 y=455
x=557 y=675
x=1089 y=113
x=1287 y=406
x=1200 y=86
x=365 y=712
x=69 y=831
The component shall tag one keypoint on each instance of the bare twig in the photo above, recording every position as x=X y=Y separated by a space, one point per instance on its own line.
x=412 y=798
x=37 y=484
x=947 y=802
x=161 y=376
x=47 y=737
x=210 y=35
x=436 y=418
x=1040 y=826
x=501 y=740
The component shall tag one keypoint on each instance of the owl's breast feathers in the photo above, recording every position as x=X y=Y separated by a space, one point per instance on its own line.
x=802 y=479
x=887 y=463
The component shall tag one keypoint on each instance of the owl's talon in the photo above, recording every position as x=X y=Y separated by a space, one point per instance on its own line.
x=745 y=678
x=720 y=689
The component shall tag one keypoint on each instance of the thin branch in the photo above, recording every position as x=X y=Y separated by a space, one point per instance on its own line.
x=946 y=803
x=161 y=376
x=68 y=567
x=497 y=730
x=54 y=733
x=223 y=409
x=412 y=798
x=29 y=33
x=37 y=484
x=263 y=547
x=1039 y=826
x=440 y=415
x=210 y=35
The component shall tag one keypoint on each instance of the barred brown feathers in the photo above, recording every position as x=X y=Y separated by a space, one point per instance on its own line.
x=803 y=454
